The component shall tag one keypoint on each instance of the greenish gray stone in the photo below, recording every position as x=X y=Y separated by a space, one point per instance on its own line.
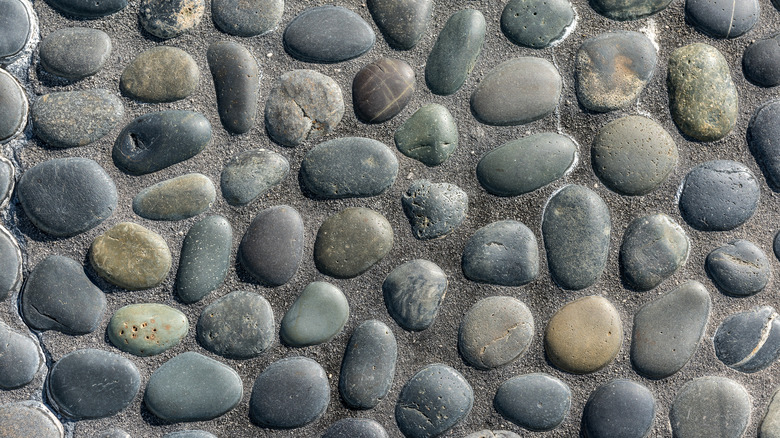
x=175 y=199
x=430 y=135
x=160 y=74
x=7 y=184
x=434 y=209
x=455 y=52
x=413 y=293
x=691 y=413
x=247 y=18
x=535 y=401
x=317 y=315
x=536 y=23
x=402 y=22
x=368 y=368
x=29 y=419
x=236 y=77
x=495 y=331
x=654 y=248
x=205 y=258
x=147 y=329
x=624 y=10
x=739 y=268
x=75 y=52
x=76 y=118
x=328 y=34
x=251 y=174
x=19 y=359
x=10 y=264
x=170 y=18
x=770 y=425
x=239 y=325
x=13 y=106
x=504 y=253
x=131 y=256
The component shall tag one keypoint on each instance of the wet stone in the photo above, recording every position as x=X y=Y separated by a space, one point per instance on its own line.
x=170 y=18
x=770 y=425
x=619 y=408
x=504 y=253
x=402 y=22
x=355 y=427
x=328 y=34
x=205 y=258
x=147 y=329
x=192 y=387
x=239 y=325
x=536 y=402
x=29 y=419
x=76 y=118
x=303 y=105
x=536 y=23
x=160 y=74
x=351 y=241
x=175 y=199
x=493 y=434
x=455 y=52
x=251 y=174
x=739 y=268
x=90 y=383
x=75 y=52
x=718 y=196
x=413 y=293
x=761 y=62
x=10 y=264
x=624 y=10
x=272 y=247
x=749 y=341
x=434 y=209
x=368 y=368
x=317 y=316
x=19 y=359
x=654 y=247
x=430 y=135
x=382 y=89
x=15 y=28
x=237 y=84
x=691 y=414
x=247 y=18
x=764 y=142
x=88 y=8
x=189 y=434
x=517 y=92
x=131 y=256
x=722 y=18
x=495 y=331
x=13 y=106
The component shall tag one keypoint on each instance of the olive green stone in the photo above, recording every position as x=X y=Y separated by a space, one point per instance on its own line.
x=430 y=135
x=316 y=317
x=147 y=329
x=176 y=199
x=130 y=256
x=160 y=74
x=455 y=52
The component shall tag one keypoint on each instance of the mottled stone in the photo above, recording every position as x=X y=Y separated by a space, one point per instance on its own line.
x=368 y=367
x=739 y=268
x=770 y=425
x=722 y=18
x=170 y=18
x=620 y=408
x=239 y=325
x=495 y=331
x=355 y=427
x=88 y=8
x=624 y=10
x=251 y=174
x=10 y=264
x=160 y=74
x=247 y=18
x=763 y=138
x=504 y=253
x=15 y=28
x=131 y=256
x=537 y=23
x=534 y=401
x=713 y=407
x=29 y=419
x=434 y=209
x=413 y=293
x=272 y=247
x=455 y=52
x=75 y=52
x=175 y=199
x=76 y=118
x=749 y=341
x=205 y=258
x=382 y=89
x=761 y=62
x=20 y=359
x=147 y=329
x=351 y=241
x=402 y=22
x=317 y=316
x=430 y=135
x=13 y=106
x=327 y=34
x=654 y=247
x=237 y=83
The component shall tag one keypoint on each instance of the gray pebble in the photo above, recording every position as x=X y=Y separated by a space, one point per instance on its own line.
x=722 y=18
x=536 y=23
x=761 y=62
x=493 y=434
x=749 y=341
x=328 y=34
x=7 y=181
x=272 y=247
x=430 y=135
x=239 y=325
x=620 y=408
x=29 y=419
x=251 y=174
x=355 y=428
x=15 y=28
x=764 y=141
x=413 y=293
x=739 y=268
x=170 y=18
x=76 y=118
x=770 y=425
x=434 y=209
x=75 y=52
x=236 y=77
x=402 y=22
x=504 y=253
x=654 y=247
x=160 y=74
x=317 y=316
x=19 y=359
x=534 y=401
x=189 y=434
x=176 y=199
x=113 y=433
x=455 y=52
x=691 y=414
x=13 y=106
x=624 y=10
x=495 y=331
x=88 y=8
x=247 y=18
x=368 y=367
x=205 y=258
x=10 y=264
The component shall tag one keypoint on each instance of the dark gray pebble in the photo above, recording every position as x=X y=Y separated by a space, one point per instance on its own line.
x=237 y=82
x=620 y=408
x=495 y=331
x=776 y=245
x=534 y=401
x=247 y=18
x=176 y=199
x=355 y=428
x=382 y=89
x=413 y=293
x=75 y=52
x=317 y=316
x=430 y=135
x=76 y=118
x=691 y=414
x=239 y=325
x=19 y=359
x=624 y=10
x=10 y=264
x=504 y=253
x=722 y=18
x=170 y=18
x=29 y=419
x=13 y=106
x=272 y=247
x=763 y=138
x=536 y=23
x=205 y=258
x=15 y=27
x=455 y=52
x=328 y=34
x=739 y=268
x=749 y=341
x=434 y=209
x=402 y=22
x=654 y=247
x=761 y=62
x=88 y=8
x=368 y=368
x=160 y=74
x=251 y=174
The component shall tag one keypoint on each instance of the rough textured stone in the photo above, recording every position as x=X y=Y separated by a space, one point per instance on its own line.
x=455 y=52
x=504 y=253
x=237 y=82
x=15 y=28
x=761 y=62
x=493 y=434
x=749 y=341
x=239 y=325
x=537 y=23
x=722 y=18
x=75 y=52
x=327 y=34
x=175 y=199
x=620 y=408
x=205 y=258
x=351 y=241
x=691 y=414
x=272 y=247
x=624 y=10
x=131 y=256
x=764 y=141
x=430 y=135
x=434 y=209
x=402 y=22
x=88 y=8
x=76 y=118
x=739 y=268
x=113 y=433
x=247 y=18
x=160 y=74
x=251 y=174
x=355 y=427
x=317 y=316
x=170 y=18
x=382 y=89
x=189 y=434
x=10 y=264
x=534 y=401
x=20 y=359
x=13 y=106
x=413 y=293
x=654 y=248
x=147 y=329
x=495 y=331
x=368 y=368
x=29 y=419
x=770 y=425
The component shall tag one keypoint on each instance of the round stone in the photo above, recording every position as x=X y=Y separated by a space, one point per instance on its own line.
x=76 y=118
x=619 y=408
x=624 y=10
x=495 y=332
x=739 y=268
x=455 y=52
x=247 y=18
x=654 y=248
x=272 y=247
x=762 y=136
x=761 y=62
x=205 y=258
x=13 y=106
x=722 y=18
x=239 y=325
x=175 y=199
x=20 y=359
x=10 y=264
x=382 y=89
x=160 y=74
x=536 y=402
x=251 y=174
x=402 y=22
x=434 y=209
x=413 y=293
x=327 y=34
x=537 y=23
x=170 y=18
x=368 y=368
x=355 y=427
x=317 y=316
x=131 y=256
x=749 y=341
x=236 y=77
x=504 y=253
x=691 y=414
x=147 y=329
x=15 y=27
x=75 y=52
x=29 y=419
x=430 y=135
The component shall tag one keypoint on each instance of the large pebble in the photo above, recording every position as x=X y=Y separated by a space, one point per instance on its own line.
x=147 y=329
x=761 y=62
x=205 y=258
x=434 y=209
x=654 y=247
x=430 y=135
x=328 y=34
x=10 y=264
x=175 y=199
x=537 y=23
x=770 y=425
x=749 y=341
x=355 y=427
x=402 y=22
x=352 y=241
x=237 y=83
x=251 y=174
x=76 y=118
x=13 y=106
x=75 y=52
x=317 y=316
x=413 y=293
x=160 y=74
x=504 y=253
x=15 y=28
x=88 y=8
x=131 y=256
x=272 y=247
x=29 y=419
x=739 y=268
x=19 y=359
x=620 y=408
x=239 y=325
x=722 y=18
x=247 y=18
x=368 y=368
x=764 y=141
x=495 y=331
x=382 y=89
x=713 y=407
x=455 y=52
x=624 y=10
x=170 y=18
x=534 y=401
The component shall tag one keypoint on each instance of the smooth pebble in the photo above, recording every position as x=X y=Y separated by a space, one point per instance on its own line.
x=691 y=413
x=413 y=293
x=739 y=268
x=251 y=174
x=402 y=22
x=20 y=359
x=495 y=331
x=620 y=408
x=131 y=256
x=537 y=23
x=368 y=367
x=239 y=325
x=317 y=316
x=749 y=341
x=455 y=52
x=160 y=74
x=147 y=329
x=236 y=77
x=175 y=199
x=430 y=135
x=327 y=34
x=272 y=247
x=654 y=247
x=536 y=401
x=247 y=18
x=205 y=258
x=76 y=118
x=75 y=52
x=381 y=89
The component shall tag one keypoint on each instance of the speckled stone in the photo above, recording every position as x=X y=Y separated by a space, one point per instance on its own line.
x=739 y=268
x=239 y=325
x=251 y=174
x=455 y=52
x=495 y=331
x=76 y=118
x=175 y=199
x=29 y=419
x=317 y=316
x=434 y=209
x=430 y=135
x=624 y=10
x=351 y=241
x=15 y=28
x=10 y=264
x=75 y=52
x=205 y=258
x=113 y=433
x=327 y=34
x=147 y=329
x=537 y=23
x=763 y=138
x=504 y=253
x=413 y=293
x=160 y=74
x=654 y=247
x=272 y=247
x=13 y=106
x=620 y=408
x=536 y=401
x=189 y=434
x=761 y=62
x=88 y=8
x=691 y=413
x=131 y=256
x=722 y=18
x=236 y=77
x=749 y=341
x=170 y=18
x=402 y=22
x=19 y=359
x=247 y=18
x=381 y=89
x=493 y=434
x=770 y=425
x=355 y=427
x=368 y=367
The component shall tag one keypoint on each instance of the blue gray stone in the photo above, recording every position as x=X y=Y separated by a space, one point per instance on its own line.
x=176 y=199
x=160 y=74
x=624 y=10
x=761 y=62
x=537 y=23
x=317 y=316
x=251 y=174
x=739 y=268
x=776 y=245
x=351 y=241
x=239 y=325
x=536 y=401
x=15 y=28
x=247 y=18
x=455 y=52
x=763 y=138
x=620 y=408
x=75 y=52
x=88 y=8
x=13 y=106
x=413 y=293
x=76 y=118
x=355 y=428
x=205 y=258
x=10 y=264
x=654 y=247
x=402 y=22
x=691 y=413
x=749 y=341
x=236 y=77
x=29 y=419
x=722 y=18
x=272 y=247
x=430 y=135
x=19 y=358
x=168 y=19
x=434 y=209
x=504 y=253
x=495 y=331
x=368 y=367
x=381 y=89
x=327 y=34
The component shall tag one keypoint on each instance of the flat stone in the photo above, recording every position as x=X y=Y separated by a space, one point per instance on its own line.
x=247 y=18
x=749 y=341
x=722 y=18
x=289 y=393
x=10 y=264
x=763 y=137
x=327 y=34
x=691 y=413
x=76 y=118
x=402 y=22
x=88 y=8
x=158 y=140
x=27 y=419
x=455 y=52
x=718 y=195
x=493 y=434
x=7 y=184
x=87 y=384
x=167 y=19
x=434 y=209
x=504 y=253
x=192 y=387
x=654 y=248
x=272 y=247
x=131 y=256
x=15 y=28
x=368 y=367
x=349 y=167
x=355 y=427
x=430 y=135
x=702 y=96
x=624 y=10
x=761 y=62
x=433 y=401
x=205 y=258
x=739 y=268
x=537 y=23
x=13 y=106
x=495 y=331
x=536 y=401
x=19 y=359
x=147 y=329
x=251 y=174
x=516 y=92
x=619 y=408
x=175 y=199
x=380 y=90
x=413 y=293
x=113 y=433
x=524 y=165
x=58 y=295
x=351 y=241
x=160 y=74
x=237 y=83
x=770 y=425
x=584 y=336
x=303 y=105
x=189 y=434
x=75 y=52
x=576 y=228
x=239 y=325
x=317 y=316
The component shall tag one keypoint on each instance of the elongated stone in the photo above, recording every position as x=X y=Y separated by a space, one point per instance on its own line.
x=537 y=23
x=624 y=10
x=76 y=118
x=189 y=434
x=764 y=141
x=317 y=316
x=239 y=325
x=434 y=209
x=13 y=106
x=654 y=247
x=16 y=27
x=147 y=329
x=75 y=52
x=88 y=8
x=7 y=184
x=237 y=83
x=368 y=367
x=131 y=256
x=160 y=74
x=534 y=401
x=495 y=331
x=691 y=413
x=749 y=341
x=739 y=268
x=430 y=135
x=205 y=258
x=251 y=174
x=328 y=34
x=413 y=293
x=27 y=419
x=10 y=264
x=247 y=18
x=722 y=18
x=272 y=247
x=619 y=408
x=402 y=22
x=770 y=425
x=19 y=359
x=175 y=199
x=504 y=253
x=382 y=89
x=167 y=19
x=455 y=52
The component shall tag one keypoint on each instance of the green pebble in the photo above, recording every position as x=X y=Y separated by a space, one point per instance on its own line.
x=455 y=52
x=147 y=329
x=316 y=317
x=430 y=135
x=205 y=258
x=177 y=198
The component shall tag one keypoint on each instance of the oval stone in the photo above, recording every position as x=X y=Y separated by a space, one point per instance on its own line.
x=7 y=184
x=524 y=165
x=131 y=256
x=517 y=92
x=317 y=316
x=434 y=209
x=272 y=247
x=160 y=74
x=430 y=135
x=251 y=174
x=348 y=167
x=189 y=434
x=504 y=253
x=237 y=83
x=537 y=23
x=702 y=96
x=722 y=18
x=239 y=325
x=29 y=419
x=13 y=106
x=624 y=10
x=158 y=140
x=402 y=22
x=413 y=293
x=247 y=18
x=770 y=425
x=175 y=199
x=654 y=248
x=382 y=89
x=355 y=427
x=192 y=387
x=76 y=118
x=327 y=34
x=147 y=329
x=691 y=413
x=10 y=264
x=495 y=331
x=15 y=28
x=455 y=52
x=87 y=384
x=761 y=62
x=167 y=19
x=205 y=258
x=368 y=368
x=20 y=359
x=88 y=8
x=576 y=227
x=739 y=268
x=764 y=141
x=619 y=408
x=75 y=52
x=352 y=241
x=749 y=341
x=536 y=402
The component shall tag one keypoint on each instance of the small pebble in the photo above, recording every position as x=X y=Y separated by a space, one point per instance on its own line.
x=327 y=34
x=430 y=135
x=722 y=18
x=504 y=253
x=272 y=247
x=76 y=118
x=763 y=137
x=247 y=18
x=537 y=23
x=147 y=329
x=536 y=402
x=402 y=22
x=382 y=89
x=15 y=28
x=13 y=106
x=654 y=247
x=189 y=434
x=317 y=316
x=620 y=408
x=239 y=325
x=624 y=10
x=413 y=293
x=495 y=331
x=355 y=427
x=770 y=425
x=10 y=264
x=75 y=52
x=368 y=367
x=237 y=83
x=205 y=258
x=88 y=9
x=176 y=199
x=131 y=256
x=493 y=434
x=251 y=174
x=434 y=209
x=160 y=74
x=739 y=268
x=113 y=433
x=29 y=419
x=691 y=413
x=761 y=62
x=749 y=341
x=19 y=359
x=455 y=52
x=7 y=184
x=170 y=18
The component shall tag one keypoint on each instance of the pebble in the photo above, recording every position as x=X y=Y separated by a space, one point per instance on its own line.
x=29 y=419
x=770 y=425
x=58 y=295
x=368 y=368
x=15 y=28
x=348 y=167
x=402 y=22
x=430 y=135
x=739 y=268
x=158 y=140
x=718 y=196
x=303 y=105
x=272 y=247
x=355 y=427
x=167 y=19
x=176 y=199
x=160 y=74
x=351 y=241
x=536 y=401
x=620 y=408
x=13 y=106
x=75 y=52
x=10 y=264
x=691 y=414
x=576 y=227
x=131 y=256
x=749 y=341
x=205 y=258
x=192 y=387
x=7 y=183
x=239 y=325
x=702 y=96
x=251 y=174
x=88 y=9
x=87 y=384
x=764 y=142
x=722 y=18
x=624 y=10
x=189 y=434
x=495 y=331
x=537 y=23
x=654 y=248
x=328 y=34
x=413 y=293
x=76 y=118
x=19 y=359
x=113 y=433
x=493 y=434
x=147 y=329
x=504 y=253
x=317 y=316
x=433 y=401
x=524 y=165
x=381 y=89
x=761 y=62
x=584 y=336
x=516 y=92
x=289 y=393
x=237 y=83
x=455 y=52
x=434 y=209
x=247 y=18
